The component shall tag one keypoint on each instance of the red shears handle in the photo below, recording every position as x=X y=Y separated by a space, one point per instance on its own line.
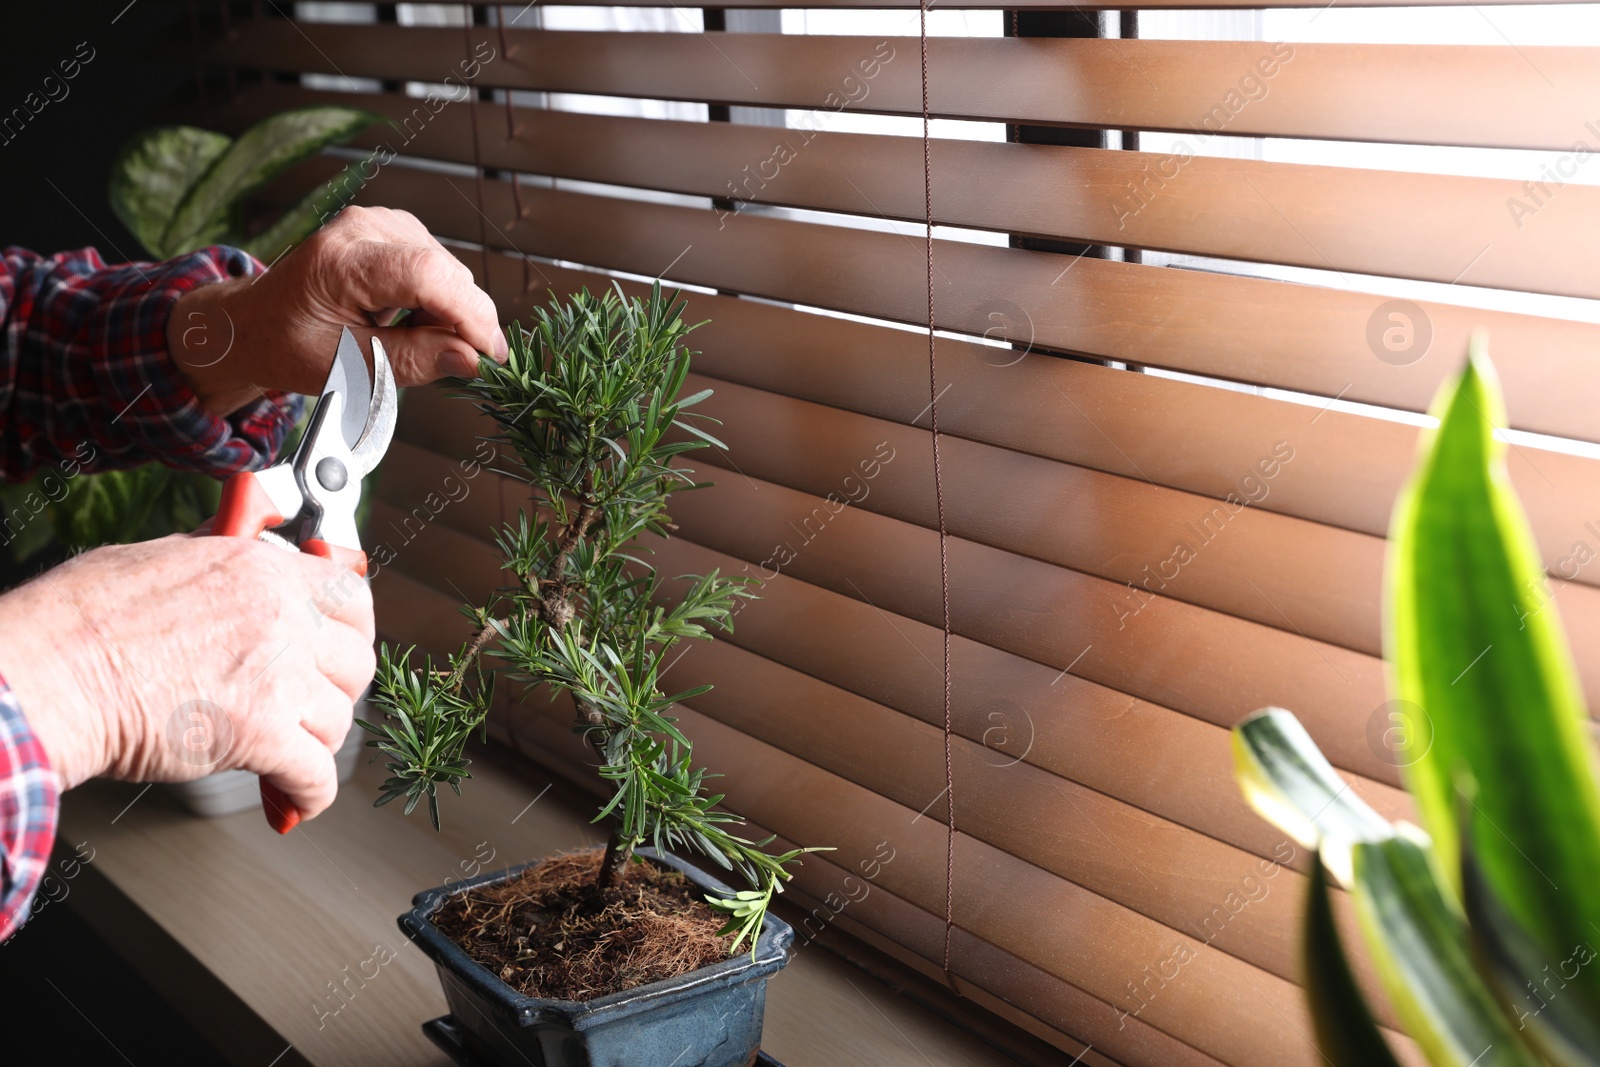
x=247 y=511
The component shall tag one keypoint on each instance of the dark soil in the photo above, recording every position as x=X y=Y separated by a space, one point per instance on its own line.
x=546 y=933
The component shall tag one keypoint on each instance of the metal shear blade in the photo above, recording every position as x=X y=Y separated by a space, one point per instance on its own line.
x=366 y=415
x=316 y=491
x=344 y=442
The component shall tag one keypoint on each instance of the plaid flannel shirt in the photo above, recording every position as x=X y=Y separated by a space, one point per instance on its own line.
x=86 y=382
x=28 y=796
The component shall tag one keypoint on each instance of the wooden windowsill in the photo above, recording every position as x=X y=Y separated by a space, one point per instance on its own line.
x=250 y=935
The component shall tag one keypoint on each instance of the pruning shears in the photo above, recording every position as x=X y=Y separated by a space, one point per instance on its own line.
x=307 y=503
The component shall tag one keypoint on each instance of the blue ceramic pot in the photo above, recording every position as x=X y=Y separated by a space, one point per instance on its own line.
x=706 y=1018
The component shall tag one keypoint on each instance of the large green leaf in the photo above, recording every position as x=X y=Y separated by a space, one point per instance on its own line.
x=24 y=514
x=1418 y=941
x=1415 y=937
x=307 y=214
x=1532 y=988
x=1285 y=777
x=260 y=153
x=154 y=172
x=1474 y=641
x=136 y=504
x=1347 y=1036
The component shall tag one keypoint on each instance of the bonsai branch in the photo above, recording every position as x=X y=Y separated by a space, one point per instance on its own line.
x=479 y=642
x=555 y=605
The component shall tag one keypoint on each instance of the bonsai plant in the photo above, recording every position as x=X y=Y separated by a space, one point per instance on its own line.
x=1483 y=923
x=589 y=417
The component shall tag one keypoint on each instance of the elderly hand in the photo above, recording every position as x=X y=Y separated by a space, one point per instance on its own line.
x=278 y=330
x=171 y=659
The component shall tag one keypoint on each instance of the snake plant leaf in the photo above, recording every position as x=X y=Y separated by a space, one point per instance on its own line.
x=1474 y=640
x=1285 y=777
x=1532 y=987
x=259 y=154
x=1416 y=938
x=1347 y=1035
x=152 y=174
x=1418 y=942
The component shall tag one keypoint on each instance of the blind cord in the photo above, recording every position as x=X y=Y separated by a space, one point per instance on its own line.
x=938 y=502
x=477 y=157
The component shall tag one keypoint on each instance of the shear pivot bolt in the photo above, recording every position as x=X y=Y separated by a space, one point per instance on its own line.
x=331 y=474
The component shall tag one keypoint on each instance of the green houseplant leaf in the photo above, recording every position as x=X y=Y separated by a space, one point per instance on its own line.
x=306 y=215
x=1475 y=642
x=1417 y=940
x=1285 y=777
x=25 y=525
x=1483 y=934
x=1347 y=1036
x=1532 y=989
x=154 y=172
x=259 y=154
x=1419 y=944
x=136 y=504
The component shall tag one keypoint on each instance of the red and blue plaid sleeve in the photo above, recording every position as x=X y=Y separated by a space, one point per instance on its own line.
x=29 y=800
x=85 y=372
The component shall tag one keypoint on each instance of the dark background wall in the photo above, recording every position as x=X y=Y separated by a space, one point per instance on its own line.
x=53 y=169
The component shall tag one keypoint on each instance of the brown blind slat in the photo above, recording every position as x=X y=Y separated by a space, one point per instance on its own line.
x=1218 y=554
x=1346 y=471
x=1075 y=832
x=1294 y=337
x=1491 y=96
x=1032 y=995
x=1346 y=219
x=1177 y=655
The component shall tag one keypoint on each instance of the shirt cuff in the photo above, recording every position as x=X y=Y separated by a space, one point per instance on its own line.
x=158 y=411
x=29 y=803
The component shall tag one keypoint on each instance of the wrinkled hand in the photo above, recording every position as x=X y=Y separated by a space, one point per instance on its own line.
x=279 y=330
x=171 y=659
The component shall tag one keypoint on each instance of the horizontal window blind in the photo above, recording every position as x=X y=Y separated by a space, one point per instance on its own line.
x=1165 y=466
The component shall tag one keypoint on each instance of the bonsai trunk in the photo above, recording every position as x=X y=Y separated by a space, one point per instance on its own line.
x=618 y=852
